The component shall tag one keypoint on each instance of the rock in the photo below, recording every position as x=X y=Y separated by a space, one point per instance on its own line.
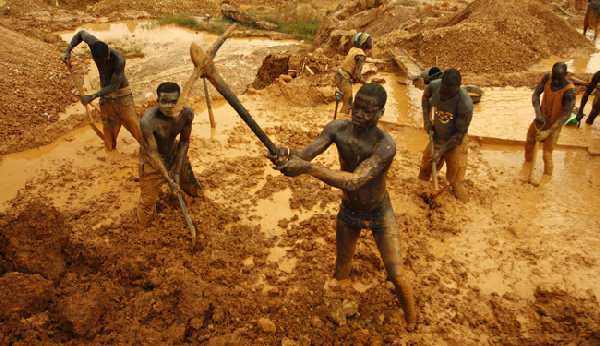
x=289 y=342
x=23 y=295
x=266 y=325
x=316 y=322
x=285 y=78
x=247 y=265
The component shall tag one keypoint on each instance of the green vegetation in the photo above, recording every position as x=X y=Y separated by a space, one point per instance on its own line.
x=301 y=29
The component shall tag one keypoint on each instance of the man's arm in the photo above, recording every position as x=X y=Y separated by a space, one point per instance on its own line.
x=115 y=79
x=590 y=88
x=184 y=142
x=569 y=100
x=358 y=69
x=349 y=181
x=535 y=98
x=309 y=152
x=426 y=105
x=150 y=150
x=81 y=36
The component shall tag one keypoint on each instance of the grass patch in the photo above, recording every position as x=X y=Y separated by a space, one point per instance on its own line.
x=299 y=28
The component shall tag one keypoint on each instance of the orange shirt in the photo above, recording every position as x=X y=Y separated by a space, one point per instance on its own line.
x=552 y=103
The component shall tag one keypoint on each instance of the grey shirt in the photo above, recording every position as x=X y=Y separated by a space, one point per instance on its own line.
x=451 y=115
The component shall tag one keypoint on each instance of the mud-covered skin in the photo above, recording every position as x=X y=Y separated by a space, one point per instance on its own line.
x=111 y=69
x=160 y=130
x=366 y=153
x=595 y=106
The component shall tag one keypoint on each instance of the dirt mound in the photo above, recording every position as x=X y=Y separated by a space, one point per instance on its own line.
x=34 y=241
x=156 y=7
x=35 y=86
x=492 y=36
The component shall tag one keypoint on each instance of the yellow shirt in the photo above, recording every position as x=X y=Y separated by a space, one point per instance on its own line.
x=349 y=65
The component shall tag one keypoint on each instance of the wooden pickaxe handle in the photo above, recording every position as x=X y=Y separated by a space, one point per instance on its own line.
x=186 y=214
x=87 y=110
x=212 y=51
x=205 y=63
x=213 y=124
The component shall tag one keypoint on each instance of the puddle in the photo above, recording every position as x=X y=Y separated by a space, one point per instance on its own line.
x=16 y=169
x=284 y=264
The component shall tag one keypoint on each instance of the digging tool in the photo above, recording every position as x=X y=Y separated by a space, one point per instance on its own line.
x=87 y=110
x=212 y=51
x=433 y=163
x=213 y=124
x=338 y=97
x=534 y=154
x=186 y=214
x=204 y=62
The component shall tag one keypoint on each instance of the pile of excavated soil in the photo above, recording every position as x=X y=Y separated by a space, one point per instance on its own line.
x=492 y=36
x=36 y=87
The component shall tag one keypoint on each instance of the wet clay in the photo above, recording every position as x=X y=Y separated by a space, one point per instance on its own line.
x=515 y=265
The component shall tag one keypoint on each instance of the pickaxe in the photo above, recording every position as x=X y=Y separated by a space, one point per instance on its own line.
x=87 y=110
x=212 y=51
x=203 y=61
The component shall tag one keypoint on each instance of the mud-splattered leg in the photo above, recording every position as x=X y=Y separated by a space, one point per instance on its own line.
x=388 y=243
x=345 y=243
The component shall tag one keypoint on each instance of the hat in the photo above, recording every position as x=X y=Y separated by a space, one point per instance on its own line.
x=359 y=39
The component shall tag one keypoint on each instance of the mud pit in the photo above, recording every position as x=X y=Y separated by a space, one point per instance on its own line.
x=516 y=265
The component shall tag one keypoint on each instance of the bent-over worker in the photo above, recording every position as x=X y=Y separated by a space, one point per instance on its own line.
x=116 y=100
x=162 y=157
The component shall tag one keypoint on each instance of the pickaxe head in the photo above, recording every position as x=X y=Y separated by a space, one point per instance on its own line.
x=339 y=95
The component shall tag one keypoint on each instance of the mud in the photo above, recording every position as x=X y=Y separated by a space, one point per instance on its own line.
x=515 y=265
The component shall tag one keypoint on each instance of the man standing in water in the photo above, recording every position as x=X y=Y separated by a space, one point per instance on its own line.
x=116 y=100
x=556 y=107
x=366 y=153
x=162 y=158
x=595 y=104
x=351 y=68
x=452 y=114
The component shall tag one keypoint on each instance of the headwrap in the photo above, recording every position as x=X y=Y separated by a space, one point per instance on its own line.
x=359 y=39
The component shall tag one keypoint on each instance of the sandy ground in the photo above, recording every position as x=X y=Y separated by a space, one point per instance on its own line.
x=516 y=265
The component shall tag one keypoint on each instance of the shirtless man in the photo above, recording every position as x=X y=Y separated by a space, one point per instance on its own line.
x=452 y=113
x=556 y=107
x=116 y=101
x=595 y=105
x=366 y=153
x=162 y=158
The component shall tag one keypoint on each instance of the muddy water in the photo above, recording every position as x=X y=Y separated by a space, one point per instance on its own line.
x=166 y=55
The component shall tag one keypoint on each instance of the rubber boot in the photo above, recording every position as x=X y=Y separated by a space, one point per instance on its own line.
x=460 y=191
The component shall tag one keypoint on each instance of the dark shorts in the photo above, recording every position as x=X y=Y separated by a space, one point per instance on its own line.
x=380 y=219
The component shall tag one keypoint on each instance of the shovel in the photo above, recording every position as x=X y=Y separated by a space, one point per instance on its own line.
x=338 y=96
x=87 y=110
